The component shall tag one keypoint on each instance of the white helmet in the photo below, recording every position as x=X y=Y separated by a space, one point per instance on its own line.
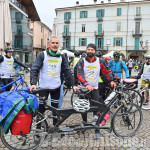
x=81 y=105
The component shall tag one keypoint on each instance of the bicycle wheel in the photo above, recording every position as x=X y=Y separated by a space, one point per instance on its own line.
x=135 y=97
x=146 y=100
x=27 y=141
x=126 y=121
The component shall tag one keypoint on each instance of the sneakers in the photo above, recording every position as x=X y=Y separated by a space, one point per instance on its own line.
x=97 y=133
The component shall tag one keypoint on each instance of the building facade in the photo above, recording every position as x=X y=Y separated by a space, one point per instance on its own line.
x=22 y=36
x=41 y=36
x=122 y=26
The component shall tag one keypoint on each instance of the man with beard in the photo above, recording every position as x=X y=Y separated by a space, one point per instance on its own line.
x=88 y=72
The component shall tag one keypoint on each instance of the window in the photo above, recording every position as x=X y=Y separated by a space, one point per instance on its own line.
x=41 y=28
x=67 y=15
x=118 y=26
x=118 y=41
x=66 y=43
x=138 y=11
x=118 y=11
x=82 y=41
x=66 y=29
x=83 y=27
x=18 y=16
x=100 y=12
x=136 y=47
x=18 y=43
x=137 y=28
x=99 y=45
x=83 y=14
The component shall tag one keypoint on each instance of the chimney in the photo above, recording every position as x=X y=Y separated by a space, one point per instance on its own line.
x=102 y=2
x=77 y=3
x=109 y=1
x=95 y=1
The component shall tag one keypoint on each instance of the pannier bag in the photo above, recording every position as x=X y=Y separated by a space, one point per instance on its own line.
x=21 y=123
x=131 y=82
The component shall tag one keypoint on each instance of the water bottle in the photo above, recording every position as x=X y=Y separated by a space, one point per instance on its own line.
x=105 y=119
x=95 y=120
x=110 y=97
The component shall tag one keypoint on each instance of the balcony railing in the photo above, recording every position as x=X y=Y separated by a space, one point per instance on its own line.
x=99 y=18
x=18 y=34
x=66 y=34
x=137 y=33
x=104 y=48
x=132 y=49
x=23 y=47
x=97 y=34
x=138 y=17
x=67 y=20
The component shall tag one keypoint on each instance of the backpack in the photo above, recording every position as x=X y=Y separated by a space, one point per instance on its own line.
x=120 y=63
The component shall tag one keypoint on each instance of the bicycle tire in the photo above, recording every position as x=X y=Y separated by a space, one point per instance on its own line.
x=135 y=96
x=146 y=98
x=17 y=142
x=127 y=127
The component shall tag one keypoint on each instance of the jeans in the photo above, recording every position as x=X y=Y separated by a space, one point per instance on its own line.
x=61 y=96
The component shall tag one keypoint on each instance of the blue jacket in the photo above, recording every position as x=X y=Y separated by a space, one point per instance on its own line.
x=117 y=69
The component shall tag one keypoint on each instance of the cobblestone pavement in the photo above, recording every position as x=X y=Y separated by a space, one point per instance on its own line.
x=87 y=141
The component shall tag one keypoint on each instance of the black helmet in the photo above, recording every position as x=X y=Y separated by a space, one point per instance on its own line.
x=98 y=54
x=9 y=49
x=116 y=54
x=83 y=55
x=147 y=57
x=77 y=53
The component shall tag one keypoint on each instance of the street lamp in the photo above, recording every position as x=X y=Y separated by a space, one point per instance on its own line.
x=144 y=47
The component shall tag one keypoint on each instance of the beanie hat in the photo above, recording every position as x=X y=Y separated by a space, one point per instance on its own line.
x=92 y=46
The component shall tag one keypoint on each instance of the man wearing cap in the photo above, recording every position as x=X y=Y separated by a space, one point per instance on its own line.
x=88 y=72
x=6 y=67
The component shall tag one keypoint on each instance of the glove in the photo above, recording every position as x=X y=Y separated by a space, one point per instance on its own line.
x=89 y=87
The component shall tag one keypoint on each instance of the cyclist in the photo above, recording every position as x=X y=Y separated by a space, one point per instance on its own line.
x=88 y=72
x=75 y=60
x=6 y=67
x=117 y=65
x=145 y=71
x=50 y=64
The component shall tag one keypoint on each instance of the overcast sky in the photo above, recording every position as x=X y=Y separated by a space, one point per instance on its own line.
x=46 y=8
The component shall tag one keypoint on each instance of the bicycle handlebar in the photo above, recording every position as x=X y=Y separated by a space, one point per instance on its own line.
x=39 y=90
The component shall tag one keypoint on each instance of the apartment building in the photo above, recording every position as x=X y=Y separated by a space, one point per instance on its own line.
x=41 y=37
x=121 y=26
x=22 y=13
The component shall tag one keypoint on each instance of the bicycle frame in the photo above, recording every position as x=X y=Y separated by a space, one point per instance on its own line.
x=4 y=86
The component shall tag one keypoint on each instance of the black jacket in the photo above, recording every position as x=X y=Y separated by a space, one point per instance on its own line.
x=37 y=65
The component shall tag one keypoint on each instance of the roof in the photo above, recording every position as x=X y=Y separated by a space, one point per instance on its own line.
x=32 y=12
x=99 y=4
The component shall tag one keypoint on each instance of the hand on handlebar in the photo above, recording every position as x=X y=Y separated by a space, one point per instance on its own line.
x=89 y=87
x=32 y=87
x=75 y=88
x=112 y=83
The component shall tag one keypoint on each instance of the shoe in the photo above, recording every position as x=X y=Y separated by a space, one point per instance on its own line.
x=97 y=133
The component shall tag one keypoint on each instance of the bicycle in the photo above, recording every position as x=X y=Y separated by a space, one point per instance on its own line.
x=20 y=81
x=128 y=116
x=145 y=92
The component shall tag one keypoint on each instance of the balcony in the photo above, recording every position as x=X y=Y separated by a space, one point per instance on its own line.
x=140 y=50
x=99 y=19
x=99 y=34
x=39 y=46
x=25 y=48
x=104 y=48
x=18 y=21
x=66 y=34
x=137 y=33
x=67 y=21
x=138 y=17
x=19 y=34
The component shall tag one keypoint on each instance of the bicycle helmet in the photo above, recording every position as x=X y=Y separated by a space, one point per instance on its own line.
x=77 y=53
x=9 y=50
x=83 y=55
x=107 y=58
x=147 y=57
x=98 y=54
x=81 y=105
x=116 y=54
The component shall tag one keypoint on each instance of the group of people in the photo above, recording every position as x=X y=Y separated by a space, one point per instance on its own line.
x=90 y=72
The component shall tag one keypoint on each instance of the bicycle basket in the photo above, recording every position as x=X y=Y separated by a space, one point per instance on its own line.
x=81 y=105
x=21 y=123
x=131 y=81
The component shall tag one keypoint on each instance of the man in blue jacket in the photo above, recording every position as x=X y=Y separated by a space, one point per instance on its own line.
x=117 y=65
